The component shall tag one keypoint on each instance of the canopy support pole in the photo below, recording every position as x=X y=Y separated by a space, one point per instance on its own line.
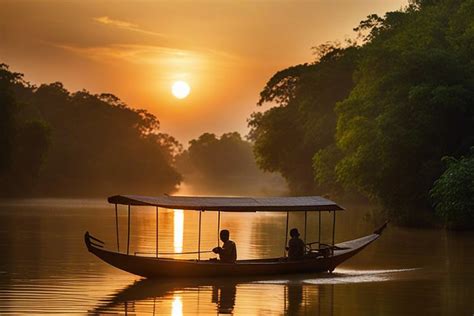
x=218 y=226
x=199 y=238
x=319 y=230
x=286 y=233
x=333 y=230
x=305 y=222
x=156 y=245
x=117 y=227
x=128 y=231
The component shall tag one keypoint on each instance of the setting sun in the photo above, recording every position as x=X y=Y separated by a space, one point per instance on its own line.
x=180 y=89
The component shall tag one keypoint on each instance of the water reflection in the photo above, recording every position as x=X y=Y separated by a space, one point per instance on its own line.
x=214 y=296
x=177 y=306
x=45 y=268
x=223 y=296
x=156 y=294
x=293 y=295
x=178 y=225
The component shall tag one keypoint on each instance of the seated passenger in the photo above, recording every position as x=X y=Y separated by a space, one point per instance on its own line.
x=296 y=246
x=228 y=251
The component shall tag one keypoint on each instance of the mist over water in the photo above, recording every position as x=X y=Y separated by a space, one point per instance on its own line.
x=45 y=267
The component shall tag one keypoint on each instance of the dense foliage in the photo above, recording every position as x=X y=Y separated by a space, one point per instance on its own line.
x=453 y=193
x=412 y=104
x=225 y=165
x=303 y=123
x=23 y=141
x=79 y=144
x=403 y=100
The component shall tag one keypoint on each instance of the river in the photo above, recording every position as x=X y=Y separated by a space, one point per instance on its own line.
x=45 y=267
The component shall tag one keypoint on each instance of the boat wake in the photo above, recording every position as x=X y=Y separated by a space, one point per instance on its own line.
x=346 y=276
x=343 y=276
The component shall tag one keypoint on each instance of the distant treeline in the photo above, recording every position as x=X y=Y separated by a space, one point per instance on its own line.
x=377 y=116
x=226 y=165
x=57 y=143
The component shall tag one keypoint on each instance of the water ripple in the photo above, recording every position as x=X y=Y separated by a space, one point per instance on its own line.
x=343 y=276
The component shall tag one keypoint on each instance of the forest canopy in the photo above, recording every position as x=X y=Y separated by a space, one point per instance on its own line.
x=376 y=117
x=58 y=143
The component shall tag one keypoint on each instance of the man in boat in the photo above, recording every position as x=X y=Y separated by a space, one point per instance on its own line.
x=228 y=251
x=296 y=246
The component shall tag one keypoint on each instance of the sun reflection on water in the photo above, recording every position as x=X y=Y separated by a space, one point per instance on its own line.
x=178 y=220
x=177 y=305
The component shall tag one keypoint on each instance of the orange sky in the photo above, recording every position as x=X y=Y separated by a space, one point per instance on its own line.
x=225 y=49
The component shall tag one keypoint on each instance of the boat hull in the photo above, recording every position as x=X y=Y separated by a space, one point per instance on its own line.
x=151 y=267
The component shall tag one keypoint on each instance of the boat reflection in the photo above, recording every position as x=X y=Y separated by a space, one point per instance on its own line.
x=223 y=296
x=294 y=294
x=220 y=296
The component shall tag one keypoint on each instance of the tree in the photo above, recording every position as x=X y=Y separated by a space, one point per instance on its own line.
x=410 y=106
x=99 y=137
x=453 y=193
x=24 y=142
x=289 y=135
x=225 y=165
x=8 y=110
x=376 y=118
x=60 y=143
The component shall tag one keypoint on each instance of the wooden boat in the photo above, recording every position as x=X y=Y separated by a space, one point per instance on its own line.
x=325 y=257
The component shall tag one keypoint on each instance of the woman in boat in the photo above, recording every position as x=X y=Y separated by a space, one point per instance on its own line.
x=228 y=251
x=296 y=246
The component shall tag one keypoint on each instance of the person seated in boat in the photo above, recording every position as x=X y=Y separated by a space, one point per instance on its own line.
x=296 y=246
x=228 y=251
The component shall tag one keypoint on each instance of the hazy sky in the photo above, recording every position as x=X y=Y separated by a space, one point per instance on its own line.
x=226 y=50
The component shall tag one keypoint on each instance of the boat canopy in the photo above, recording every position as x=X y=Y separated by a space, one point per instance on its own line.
x=231 y=204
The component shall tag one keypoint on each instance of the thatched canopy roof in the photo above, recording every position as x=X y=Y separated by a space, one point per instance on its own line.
x=231 y=204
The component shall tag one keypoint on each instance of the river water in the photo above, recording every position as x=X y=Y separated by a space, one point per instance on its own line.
x=45 y=267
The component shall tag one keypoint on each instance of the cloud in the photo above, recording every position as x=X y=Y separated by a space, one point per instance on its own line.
x=125 y=26
x=140 y=54
x=117 y=23
x=168 y=44
x=150 y=55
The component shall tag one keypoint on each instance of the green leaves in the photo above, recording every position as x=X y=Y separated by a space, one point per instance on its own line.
x=411 y=105
x=453 y=193
x=379 y=117
x=303 y=122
